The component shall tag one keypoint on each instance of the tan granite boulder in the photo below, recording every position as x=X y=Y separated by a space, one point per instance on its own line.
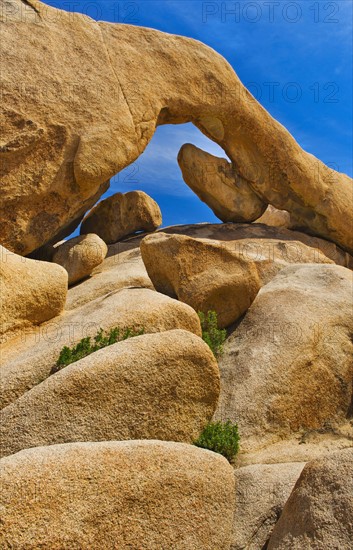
x=124 y=267
x=215 y=182
x=319 y=512
x=155 y=386
x=224 y=276
x=261 y=492
x=31 y=292
x=121 y=215
x=80 y=255
x=287 y=369
x=131 y=494
x=207 y=275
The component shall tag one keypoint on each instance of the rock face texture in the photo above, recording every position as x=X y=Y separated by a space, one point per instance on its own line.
x=122 y=268
x=287 y=195
x=218 y=275
x=37 y=352
x=80 y=255
x=275 y=218
x=286 y=379
x=203 y=274
x=118 y=293
x=288 y=366
x=156 y=386
x=117 y=495
x=258 y=239
x=215 y=182
x=121 y=215
x=261 y=492
x=31 y=292
x=66 y=140
x=319 y=512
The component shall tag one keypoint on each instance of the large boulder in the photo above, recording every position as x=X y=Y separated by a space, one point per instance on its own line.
x=155 y=386
x=121 y=215
x=32 y=358
x=132 y=494
x=207 y=275
x=224 y=276
x=216 y=183
x=288 y=366
x=77 y=116
x=261 y=492
x=319 y=512
x=80 y=255
x=31 y=292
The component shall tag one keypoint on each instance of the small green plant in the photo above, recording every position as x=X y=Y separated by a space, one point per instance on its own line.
x=220 y=437
x=86 y=346
x=211 y=334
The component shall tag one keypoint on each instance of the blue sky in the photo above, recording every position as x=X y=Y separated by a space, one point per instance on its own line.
x=294 y=56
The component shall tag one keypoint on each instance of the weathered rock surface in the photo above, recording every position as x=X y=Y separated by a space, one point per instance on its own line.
x=30 y=359
x=121 y=215
x=223 y=276
x=319 y=512
x=80 y=255
x=215 y=182
x=299 y=447
x=207 y=275
x=31 y=292
x=258 y=237
x=236 y=192
x=261 y=492
x=122 y=268
x=95 y=303
x=275 y=218
x=66 y=140
x=288 y=367
x=156 y=386
x=145 y=494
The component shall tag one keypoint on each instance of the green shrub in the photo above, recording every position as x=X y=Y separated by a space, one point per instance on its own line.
x=211 y=334
x=86 y=346
x=220 y=437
